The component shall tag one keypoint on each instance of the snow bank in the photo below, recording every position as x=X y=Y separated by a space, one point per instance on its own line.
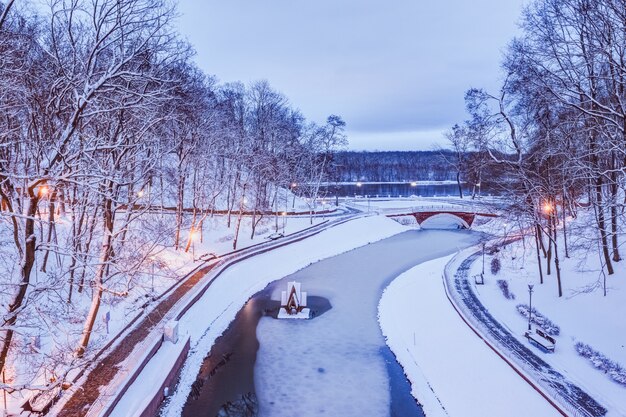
x=452 y=371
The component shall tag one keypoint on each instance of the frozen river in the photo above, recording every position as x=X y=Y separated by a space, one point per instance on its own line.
x=338 y=363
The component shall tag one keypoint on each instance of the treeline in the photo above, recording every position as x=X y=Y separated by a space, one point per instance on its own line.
x=560 y=116
x=103 y=118
x=392 y=166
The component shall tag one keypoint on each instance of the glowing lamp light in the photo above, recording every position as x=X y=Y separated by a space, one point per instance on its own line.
x=140 y=193
x=413 y=184
x=284 y=213
x=294 y=185
x=358 y=184
x=547 y=208
x=43 y=191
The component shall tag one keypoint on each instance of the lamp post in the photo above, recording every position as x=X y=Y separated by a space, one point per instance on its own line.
x=530 y=309
x=482 y=275
x=284 y=220
x=292 y=187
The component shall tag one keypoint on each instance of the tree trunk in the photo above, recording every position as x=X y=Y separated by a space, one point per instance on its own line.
x=614 y=229
x=564 y=210
x=549 y=251
x=537 y=231
x=539 y=234
x=51 y=209
x=92 y=228
x=28 y=260
x=239 y=216
x=105 y=256
x=556 y=253
x=602 y=225
x=179 y=207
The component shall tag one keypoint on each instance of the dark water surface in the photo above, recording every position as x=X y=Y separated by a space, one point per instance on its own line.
x=397 y=190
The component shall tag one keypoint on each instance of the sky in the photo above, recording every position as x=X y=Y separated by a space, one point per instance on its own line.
x=396 y=71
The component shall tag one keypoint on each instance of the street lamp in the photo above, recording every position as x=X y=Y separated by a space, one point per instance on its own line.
x=43 y=191
x=547 y=208
x=530 y=309
x=482 y=275
x=291 y=187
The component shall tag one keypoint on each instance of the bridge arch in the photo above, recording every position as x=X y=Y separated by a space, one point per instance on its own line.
x=463 y=220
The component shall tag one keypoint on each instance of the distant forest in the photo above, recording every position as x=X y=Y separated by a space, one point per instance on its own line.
x=393 y=166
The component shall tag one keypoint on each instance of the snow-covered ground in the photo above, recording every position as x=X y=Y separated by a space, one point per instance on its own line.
x=211 y=315
x=452 y=371
x=161 y=268
x=583 y=314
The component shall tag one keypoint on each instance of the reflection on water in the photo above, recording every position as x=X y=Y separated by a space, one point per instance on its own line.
x=395 y=190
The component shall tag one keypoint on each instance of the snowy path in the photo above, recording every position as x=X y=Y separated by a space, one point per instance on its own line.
x=332 y=365
x=571 y=396
x=441 y=354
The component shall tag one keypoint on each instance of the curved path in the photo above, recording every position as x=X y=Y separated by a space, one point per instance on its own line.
x=333 y=365
x=552 y=383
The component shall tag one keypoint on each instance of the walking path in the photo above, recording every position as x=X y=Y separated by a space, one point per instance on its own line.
x=565 y=395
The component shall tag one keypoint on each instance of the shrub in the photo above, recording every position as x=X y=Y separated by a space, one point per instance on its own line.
x=615 y=371
x=540 y=320
x=495 y=265
x=504 y=287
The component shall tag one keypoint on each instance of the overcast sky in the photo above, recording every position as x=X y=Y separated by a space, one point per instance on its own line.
x=396 y=70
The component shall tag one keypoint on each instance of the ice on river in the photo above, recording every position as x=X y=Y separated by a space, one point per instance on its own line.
x=332 y=365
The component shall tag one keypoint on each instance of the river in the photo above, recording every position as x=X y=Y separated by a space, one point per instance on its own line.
x=335 y=364
x=404 y=189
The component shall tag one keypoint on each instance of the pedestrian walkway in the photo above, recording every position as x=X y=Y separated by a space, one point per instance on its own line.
x=106 y=370
x=568 y=397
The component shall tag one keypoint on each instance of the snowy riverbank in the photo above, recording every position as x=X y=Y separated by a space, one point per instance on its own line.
x=452 y=372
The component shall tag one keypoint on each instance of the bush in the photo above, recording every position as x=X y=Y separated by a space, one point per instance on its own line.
x=504 y=287
x=540 y=320
x=601 y=362
x=495 y=265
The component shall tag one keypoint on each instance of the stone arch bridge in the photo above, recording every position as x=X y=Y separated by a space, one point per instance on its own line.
x=464 y=216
